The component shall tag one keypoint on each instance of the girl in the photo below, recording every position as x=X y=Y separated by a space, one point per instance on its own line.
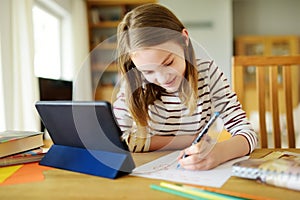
x=171 y=92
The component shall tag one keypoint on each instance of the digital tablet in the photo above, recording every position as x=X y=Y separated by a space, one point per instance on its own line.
x=86 y=138
x=89 y=124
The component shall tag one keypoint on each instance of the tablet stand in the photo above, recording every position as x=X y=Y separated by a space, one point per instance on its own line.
x=95 y=162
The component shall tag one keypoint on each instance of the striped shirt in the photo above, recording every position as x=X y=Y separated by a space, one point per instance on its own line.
x=169 y=116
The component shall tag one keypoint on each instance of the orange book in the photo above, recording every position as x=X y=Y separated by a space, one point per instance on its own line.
x=24 y=157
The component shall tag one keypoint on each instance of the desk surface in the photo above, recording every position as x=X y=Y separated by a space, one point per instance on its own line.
x=62 y=184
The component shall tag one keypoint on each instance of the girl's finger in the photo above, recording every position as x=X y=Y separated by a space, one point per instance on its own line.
x=202 y=165
x=192 y=162
x=181 y=153
x=191 y=159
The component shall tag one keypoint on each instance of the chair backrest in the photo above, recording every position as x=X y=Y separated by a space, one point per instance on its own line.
x=272 y=76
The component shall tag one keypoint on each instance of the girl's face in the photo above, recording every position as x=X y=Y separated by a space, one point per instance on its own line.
x=163 y=65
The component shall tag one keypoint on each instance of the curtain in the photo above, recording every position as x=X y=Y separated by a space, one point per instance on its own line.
x=21 y=88
x=82 y=85
x=2 y=116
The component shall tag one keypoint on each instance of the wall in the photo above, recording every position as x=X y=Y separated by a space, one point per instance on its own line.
x=210 y=23
x=66 y=4
x=266 y=17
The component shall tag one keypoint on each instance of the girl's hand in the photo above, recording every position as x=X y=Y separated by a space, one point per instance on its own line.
x=201 y=156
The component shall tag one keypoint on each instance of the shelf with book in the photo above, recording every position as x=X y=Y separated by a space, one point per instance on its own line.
x=265 y=46
x=103 y=19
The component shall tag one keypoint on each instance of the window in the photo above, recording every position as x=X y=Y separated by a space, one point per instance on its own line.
x=47 y=43
x=52 y=41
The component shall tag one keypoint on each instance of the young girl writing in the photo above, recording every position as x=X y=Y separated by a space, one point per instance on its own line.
x=168 y=92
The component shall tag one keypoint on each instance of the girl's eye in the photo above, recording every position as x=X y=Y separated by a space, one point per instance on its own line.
x=169 y=63
x=147 y=72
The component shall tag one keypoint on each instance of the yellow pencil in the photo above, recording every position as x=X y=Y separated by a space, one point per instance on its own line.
x=198 y=193
x=230 y=193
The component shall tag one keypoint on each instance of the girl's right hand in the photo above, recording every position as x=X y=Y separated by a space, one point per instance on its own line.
x=201 y=156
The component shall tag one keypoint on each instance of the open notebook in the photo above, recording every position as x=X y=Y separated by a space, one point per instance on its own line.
x=280 y=169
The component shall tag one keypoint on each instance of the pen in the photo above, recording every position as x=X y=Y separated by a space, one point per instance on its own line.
x=203 y=131
x=206 y=128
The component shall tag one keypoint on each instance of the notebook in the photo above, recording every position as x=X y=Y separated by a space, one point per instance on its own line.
x=86 y=129
x=281 y=171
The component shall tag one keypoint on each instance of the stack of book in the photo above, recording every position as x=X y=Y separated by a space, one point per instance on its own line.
x=19 y=147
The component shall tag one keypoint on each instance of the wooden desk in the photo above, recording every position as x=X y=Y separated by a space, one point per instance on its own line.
x=61 y=184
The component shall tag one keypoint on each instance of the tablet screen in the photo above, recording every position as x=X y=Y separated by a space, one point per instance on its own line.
x=89 y=124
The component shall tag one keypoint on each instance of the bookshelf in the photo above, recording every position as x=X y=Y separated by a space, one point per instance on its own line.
x=267 y=45
x=103 y=19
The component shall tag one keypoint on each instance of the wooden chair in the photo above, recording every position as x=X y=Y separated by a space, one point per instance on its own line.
x=266 y=70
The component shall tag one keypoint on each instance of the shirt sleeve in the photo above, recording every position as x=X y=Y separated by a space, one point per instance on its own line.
x=234 y=117
x=137 y=138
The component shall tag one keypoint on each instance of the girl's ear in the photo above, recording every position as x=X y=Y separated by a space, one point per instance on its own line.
x=185 y=35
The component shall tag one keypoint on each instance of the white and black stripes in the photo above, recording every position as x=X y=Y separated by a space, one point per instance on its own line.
x=169 y=116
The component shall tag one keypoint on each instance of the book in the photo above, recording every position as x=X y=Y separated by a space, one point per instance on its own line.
x=281 y=171
x=13 y=142
x=34 y=155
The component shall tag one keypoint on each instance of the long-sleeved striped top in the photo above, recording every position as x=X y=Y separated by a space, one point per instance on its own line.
x=169 y=116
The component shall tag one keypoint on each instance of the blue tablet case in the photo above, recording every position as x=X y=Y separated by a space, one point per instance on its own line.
x=86 y=138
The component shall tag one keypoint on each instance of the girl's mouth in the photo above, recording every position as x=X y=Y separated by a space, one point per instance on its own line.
x=170 y=83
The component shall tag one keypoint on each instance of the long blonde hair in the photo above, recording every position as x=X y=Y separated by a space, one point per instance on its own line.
x=145 y=26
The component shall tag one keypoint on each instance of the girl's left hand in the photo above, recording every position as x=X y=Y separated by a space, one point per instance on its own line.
x=201 y=156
